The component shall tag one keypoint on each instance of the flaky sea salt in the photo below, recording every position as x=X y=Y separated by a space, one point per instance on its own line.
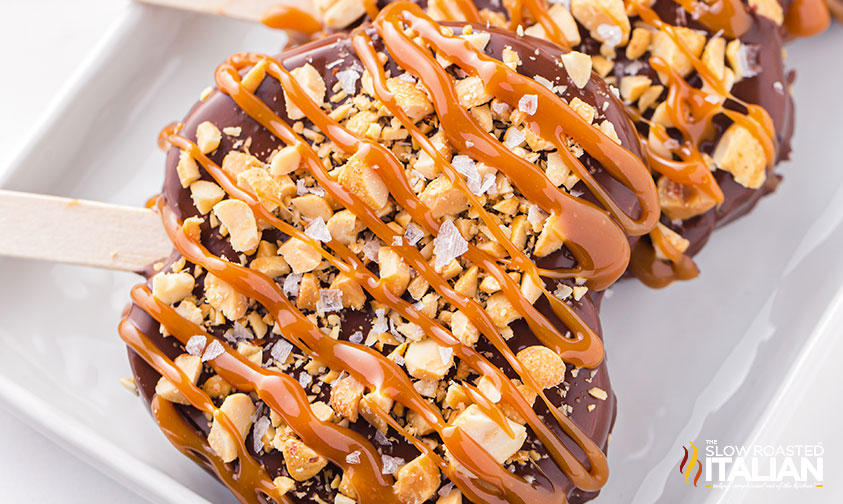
x=348 y=80
x=748 y=60
x=330 y=300
x=301 y=187
x=610 y=34
x=466 y=167
x=371 y=249
x=291 y=284
x=353 y=458
x=280 y=351
x=258 y=432
x=487 y=184
x=397 y=241
x=196 y=344
x=381 y=439
x=305 y=379
x=213 y=351
x=447 y=489
x=241 y=333
x=380 y=324
x=391 y=464
x=413 y=234
x=318 y=230
x=448 y=245
x=356 y=337
x=528 y=104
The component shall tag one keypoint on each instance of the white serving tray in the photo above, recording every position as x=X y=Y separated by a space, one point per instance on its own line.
x=710 y=359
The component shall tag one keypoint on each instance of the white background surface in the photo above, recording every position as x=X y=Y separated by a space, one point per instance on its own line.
x=43 y=42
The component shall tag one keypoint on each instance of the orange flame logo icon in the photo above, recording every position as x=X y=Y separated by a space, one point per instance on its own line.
x=686 y=467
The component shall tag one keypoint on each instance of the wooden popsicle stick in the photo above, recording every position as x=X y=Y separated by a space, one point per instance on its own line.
x=248 y=10
x=88 y=233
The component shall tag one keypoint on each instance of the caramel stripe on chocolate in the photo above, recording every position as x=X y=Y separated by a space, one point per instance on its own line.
x=596 y=241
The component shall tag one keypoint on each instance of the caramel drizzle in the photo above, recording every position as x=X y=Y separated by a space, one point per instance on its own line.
x=185 y=438
x=509 y=86
x=373 y=368
x=381 y=374
x=730 y=16
x=357 y=270
x=582 y=350
x=284 y=395
x=250 y=479
x=618 y=161
x=287 y=17
x=805 y=18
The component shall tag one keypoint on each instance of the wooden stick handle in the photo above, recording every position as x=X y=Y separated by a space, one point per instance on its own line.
x=248 y=10
x=89 y=233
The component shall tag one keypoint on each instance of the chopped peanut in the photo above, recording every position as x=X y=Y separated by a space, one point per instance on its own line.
x=674 y=240
x=352 y=293
x=680 y=201
x=362 y=180
x=239 y=409
x=238 y=218
x=302 y=462
x=299 y=255
x=489 y=434
x=187 y=169
x=543 y=364
x=208 y=137
x=394 y=273
x=417 y=481
x=191 y=366
x=285 y=161
x=551 y=238
x=742 y=155
x=578 y=66
x=463 y=329
x=311 y=81
x=472 y=92
x=224 y=298
x=312 y=206
x=410 y=98
x=170 y=288
x=596 y=14
x=235 y=163
x=345 y=397
x=426 y=360
x=500 y=310
x=382 y=402
x=442 y=198
x=205 y=195
x=344 y=226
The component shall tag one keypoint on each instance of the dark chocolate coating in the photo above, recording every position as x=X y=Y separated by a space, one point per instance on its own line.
x=222 y=111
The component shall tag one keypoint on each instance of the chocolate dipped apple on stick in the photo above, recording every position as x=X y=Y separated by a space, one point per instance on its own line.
x=384 y=243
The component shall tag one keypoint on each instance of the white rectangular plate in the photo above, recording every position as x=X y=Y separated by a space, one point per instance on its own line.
x=701 y=360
